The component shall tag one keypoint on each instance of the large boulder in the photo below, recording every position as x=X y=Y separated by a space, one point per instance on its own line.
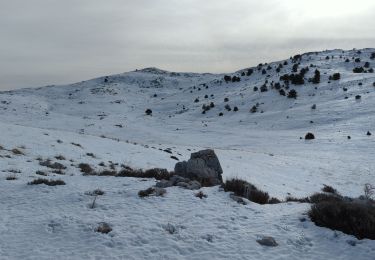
x=203 y=166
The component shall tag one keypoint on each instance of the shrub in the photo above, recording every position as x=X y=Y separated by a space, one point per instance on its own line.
x=367 y=64
x=372 y=56
x=152 y=191
x=157 y=173
x=294 y=199
x=359 y=70
x=329 y=189
x=249 y=72
x=85 y=168
x=60 y=157
x=246 y=190
x=41 y=173
x=292 y=94
x=263 y=88
x=103 y=228
x=97 y=192
x=316 y=78
x=148 y=112
x=227 y=78
x=200 y=195
x=309 y=136
x=297 y=79
x=48 y=163
x=11 y=177
x=17 y=151
x=335 y=76
x=254 y=109
x=295 y=67
x=235 y=109
x=351 y=217
x=236 y=79
x=282 y=92
x=104 y=173
x=357 y=60
x=274 y=201
x=47 y=182
x=323 y=197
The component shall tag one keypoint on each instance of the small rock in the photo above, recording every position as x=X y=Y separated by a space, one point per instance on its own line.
x=164 y=184
x=267 y=241
x=237 y=199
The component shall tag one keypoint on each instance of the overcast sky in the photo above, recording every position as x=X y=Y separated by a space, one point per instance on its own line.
x=63 y=41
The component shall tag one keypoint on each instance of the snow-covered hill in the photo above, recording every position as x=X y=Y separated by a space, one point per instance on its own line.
x=104 y=120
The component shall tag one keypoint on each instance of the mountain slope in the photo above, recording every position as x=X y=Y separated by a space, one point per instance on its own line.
x=106 y=117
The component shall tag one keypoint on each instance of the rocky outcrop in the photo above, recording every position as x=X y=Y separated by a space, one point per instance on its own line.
x=203 y=166
x=180 y=182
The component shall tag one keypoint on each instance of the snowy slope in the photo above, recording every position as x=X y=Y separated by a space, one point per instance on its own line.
x=106 y=116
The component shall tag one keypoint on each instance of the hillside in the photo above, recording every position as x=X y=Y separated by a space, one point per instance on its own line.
x=256 y=131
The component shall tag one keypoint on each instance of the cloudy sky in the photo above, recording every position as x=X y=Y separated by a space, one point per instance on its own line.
x=54 y=42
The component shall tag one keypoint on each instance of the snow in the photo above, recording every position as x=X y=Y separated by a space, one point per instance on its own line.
x=108 y=119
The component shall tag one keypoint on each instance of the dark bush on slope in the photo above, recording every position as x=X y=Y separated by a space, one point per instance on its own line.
x=335 y=76
x=249 y=191
x=355 y=218
x=295 y=79
x=227 y=78
x=359 y=70
x=148 y=112
x=329 y=189
x=157 y=173
x=85 y=168
x=292 y=94
x=316 y=78
x=46 y=182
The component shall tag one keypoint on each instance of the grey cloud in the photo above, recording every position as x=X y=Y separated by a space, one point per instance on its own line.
x=47 y=42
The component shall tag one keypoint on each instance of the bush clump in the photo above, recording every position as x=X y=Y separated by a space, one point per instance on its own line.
x=103 y=228
x=152 y=191
x=309 y=136
x=355 y=218
x=292 y=94
x=335 y=76
x=85 y=168
x=47 y=182
x=359 y=70
x=247 y=190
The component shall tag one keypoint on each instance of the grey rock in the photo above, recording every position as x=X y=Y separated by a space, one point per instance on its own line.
x=267 y=241
x=194 y=185
x=180 y=168
x=238 y=199
x=182 y=184
x=164 y=184
x=210 y=159
x=176 y=179
x=159 y=191
x=203 y=166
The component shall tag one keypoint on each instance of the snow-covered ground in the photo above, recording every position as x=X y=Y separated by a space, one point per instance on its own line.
x=106 y=117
